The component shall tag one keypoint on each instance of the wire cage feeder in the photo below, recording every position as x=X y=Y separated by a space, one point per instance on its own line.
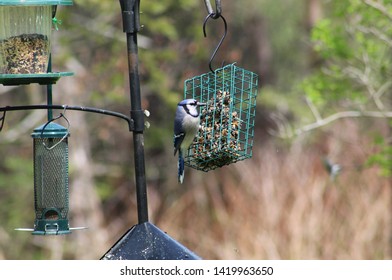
x=227 y=121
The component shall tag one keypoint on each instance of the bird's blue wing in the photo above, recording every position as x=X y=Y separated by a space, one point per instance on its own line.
x=178 y=138
x=179 y=133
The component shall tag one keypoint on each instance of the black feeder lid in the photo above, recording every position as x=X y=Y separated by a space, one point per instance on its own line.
x=147 y=242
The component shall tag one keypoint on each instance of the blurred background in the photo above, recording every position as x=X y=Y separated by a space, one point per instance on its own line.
x=324 y=101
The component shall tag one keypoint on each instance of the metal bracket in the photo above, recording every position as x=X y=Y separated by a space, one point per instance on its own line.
x=137 y=118
x=130 y=15
x=66 y=107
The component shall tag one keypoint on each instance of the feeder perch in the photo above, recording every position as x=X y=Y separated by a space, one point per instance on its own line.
x=25 y=37
x=227 y=121
x=51 y=192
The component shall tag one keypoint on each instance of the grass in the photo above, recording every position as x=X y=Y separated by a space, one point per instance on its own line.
x=282 y=204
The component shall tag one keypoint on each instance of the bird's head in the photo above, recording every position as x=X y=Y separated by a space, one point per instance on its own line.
x=190 y=106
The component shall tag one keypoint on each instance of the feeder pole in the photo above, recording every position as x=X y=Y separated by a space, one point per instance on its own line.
x=49 y=99
x=131 y=25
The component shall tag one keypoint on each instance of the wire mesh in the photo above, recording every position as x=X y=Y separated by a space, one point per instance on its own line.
x=227 y=121
x=51 y=178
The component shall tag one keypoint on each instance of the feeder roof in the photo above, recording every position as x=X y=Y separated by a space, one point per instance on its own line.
x=34 y=2
x=51 y=130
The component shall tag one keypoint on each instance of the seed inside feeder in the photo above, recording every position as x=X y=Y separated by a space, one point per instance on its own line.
x=25 y=54
x=217 y=143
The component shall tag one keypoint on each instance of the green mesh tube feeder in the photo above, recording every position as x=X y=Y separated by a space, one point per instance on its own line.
x=227 y=121
x=51 y=191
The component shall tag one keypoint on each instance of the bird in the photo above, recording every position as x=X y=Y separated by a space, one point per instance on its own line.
x=333 y=169
x=186 y=126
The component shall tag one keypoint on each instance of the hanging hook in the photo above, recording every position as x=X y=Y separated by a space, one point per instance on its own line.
x=61 y=115
x=218 y=8
x=211 y=15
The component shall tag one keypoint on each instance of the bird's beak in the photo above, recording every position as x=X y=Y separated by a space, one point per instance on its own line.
x=201 y=104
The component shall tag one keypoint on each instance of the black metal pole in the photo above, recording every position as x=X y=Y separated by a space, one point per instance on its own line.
x=143 y=241
x=131 y=25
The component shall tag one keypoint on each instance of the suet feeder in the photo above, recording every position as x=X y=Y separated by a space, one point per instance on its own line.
x=227 y=121
x=51 y=193
x=25 y=35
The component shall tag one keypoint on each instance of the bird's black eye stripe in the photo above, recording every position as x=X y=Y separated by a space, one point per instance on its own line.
x=193 y=104
x=186 y=108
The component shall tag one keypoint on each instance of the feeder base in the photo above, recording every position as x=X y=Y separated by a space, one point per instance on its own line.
x=51 y=227
x=24 y=79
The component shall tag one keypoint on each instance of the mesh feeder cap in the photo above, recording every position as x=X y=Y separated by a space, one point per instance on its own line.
x=52 y=130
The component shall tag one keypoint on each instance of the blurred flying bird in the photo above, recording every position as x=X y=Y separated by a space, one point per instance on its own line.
x=333 y=169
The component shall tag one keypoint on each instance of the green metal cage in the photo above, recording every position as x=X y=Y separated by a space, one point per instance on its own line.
x=227 y=121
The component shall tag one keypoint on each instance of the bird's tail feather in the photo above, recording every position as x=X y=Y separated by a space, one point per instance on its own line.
x=181 y=167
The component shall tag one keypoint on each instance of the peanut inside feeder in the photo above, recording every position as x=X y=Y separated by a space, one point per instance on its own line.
x=218 y=132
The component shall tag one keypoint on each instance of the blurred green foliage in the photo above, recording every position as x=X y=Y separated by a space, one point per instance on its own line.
x=383 y=157
x=355 y=43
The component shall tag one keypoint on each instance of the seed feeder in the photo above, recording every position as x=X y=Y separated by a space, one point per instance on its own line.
x=51 y=192
x=227 y=121
x=25 y=38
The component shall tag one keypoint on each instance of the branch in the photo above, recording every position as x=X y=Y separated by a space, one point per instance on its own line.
x=380 y=35
x=380 y=92
x=313 y=108
x=286 y=132
x=342 y=115
x=378 y=6
x=363 y=78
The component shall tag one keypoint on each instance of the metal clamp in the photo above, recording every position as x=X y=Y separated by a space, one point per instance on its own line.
x=218 y=8
x=130 y=15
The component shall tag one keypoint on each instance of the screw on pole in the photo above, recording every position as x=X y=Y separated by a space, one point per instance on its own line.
x=131 y=25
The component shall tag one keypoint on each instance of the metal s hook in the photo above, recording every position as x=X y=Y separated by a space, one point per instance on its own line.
x=212 y=15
